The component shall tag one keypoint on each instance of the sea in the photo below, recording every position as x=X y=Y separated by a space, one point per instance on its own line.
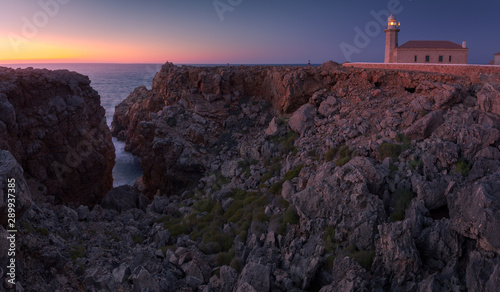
x=114 y=82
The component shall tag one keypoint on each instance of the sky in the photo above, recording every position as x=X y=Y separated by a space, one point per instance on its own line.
x=235 y=31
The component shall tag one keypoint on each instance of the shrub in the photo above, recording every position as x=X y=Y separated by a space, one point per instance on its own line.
x=291 y=215
x=224 y=258
x=273 y=170
x=245 y=166
x=236 y=264
x=293 y=173
x=287 y=143
x=27 y=226
x=330 y=154
x=238 y=194
x=235 y=207
x=344 y=151
x=405 y=140
x=276 y=187
x=204 y=205
x=168 y=247
x=414 y=164
x=77 y=251
x=342 y=161
x=220 y=181
x=463 y=167
x=260 y=215
x=211 y=247
x=281 y=121
x=177 y=229
x=390 y=150
x=344 y=156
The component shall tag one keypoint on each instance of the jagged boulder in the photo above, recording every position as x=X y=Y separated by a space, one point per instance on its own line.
x=57 y=132
x=121 y=199
x=488 y=99
x=302 y=118
x=397 y=257
x=254 y=277
x=343 y=200
x=12 y=178
x=348 y=276
x=474 y=211
x=425 y=126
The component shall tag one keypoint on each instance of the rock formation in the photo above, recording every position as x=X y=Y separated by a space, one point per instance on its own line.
x=289 y=179
x=54 y=125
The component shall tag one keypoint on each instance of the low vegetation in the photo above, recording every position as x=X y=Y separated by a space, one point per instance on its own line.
x=344 y=156
x=330 y=154
x=390 y=150
x=400 y=200
x=77 y=251
x=286 y=143
x=207 y=220
x=463 y=167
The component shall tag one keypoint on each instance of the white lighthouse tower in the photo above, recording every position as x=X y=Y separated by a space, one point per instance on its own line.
x=391 y=38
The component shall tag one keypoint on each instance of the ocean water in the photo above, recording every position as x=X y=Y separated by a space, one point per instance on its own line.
x=113 y=82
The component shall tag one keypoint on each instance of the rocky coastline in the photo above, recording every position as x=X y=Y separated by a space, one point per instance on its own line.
x=264 y=178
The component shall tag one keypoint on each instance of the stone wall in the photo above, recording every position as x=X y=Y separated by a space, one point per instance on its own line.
x=408 y=56
x=472 y=71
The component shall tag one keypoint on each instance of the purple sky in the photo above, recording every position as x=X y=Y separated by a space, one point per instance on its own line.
x=237 y=31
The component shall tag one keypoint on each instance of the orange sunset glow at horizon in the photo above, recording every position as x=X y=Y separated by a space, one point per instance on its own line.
x=194 y=32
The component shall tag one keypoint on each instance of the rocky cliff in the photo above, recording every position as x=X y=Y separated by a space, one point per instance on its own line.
x=394 y=169
x=54 y=125
x=289 y=179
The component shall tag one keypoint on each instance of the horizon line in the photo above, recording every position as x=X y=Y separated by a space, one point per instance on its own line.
x=119 y=63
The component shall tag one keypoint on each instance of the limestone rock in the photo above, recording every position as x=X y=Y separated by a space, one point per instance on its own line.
x=482 y=273
x=121 y=199
x=328 y=106
x=254 y=277
x=57 y=132
x=473 y=211
x=488 y=99
x=424 y=127
x=348 y=276
x=302 y=118
x=396 y=254
x=11 y=170
x=343 y=200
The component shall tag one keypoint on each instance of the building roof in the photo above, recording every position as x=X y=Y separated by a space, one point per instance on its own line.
x=430 y=45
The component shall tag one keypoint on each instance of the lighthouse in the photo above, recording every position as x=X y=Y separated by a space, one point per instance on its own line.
x=391 y=39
